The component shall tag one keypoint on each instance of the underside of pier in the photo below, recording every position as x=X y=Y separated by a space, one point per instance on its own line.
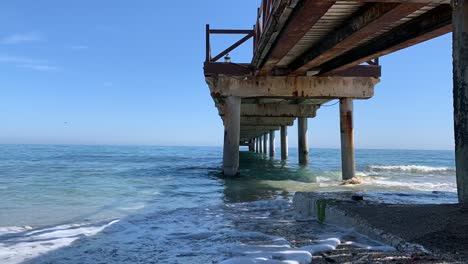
x=309 y=52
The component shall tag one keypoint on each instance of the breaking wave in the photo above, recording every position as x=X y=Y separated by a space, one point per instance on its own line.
x=410 y=169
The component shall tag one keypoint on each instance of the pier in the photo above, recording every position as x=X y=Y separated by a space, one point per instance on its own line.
x=309 y=52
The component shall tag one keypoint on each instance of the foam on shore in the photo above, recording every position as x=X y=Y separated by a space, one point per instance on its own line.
x=18 y=244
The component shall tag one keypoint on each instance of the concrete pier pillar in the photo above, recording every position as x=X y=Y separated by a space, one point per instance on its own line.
x=347 y=138
x=284 y=142
x=272 y=143
x=260 y=142
x=251 y=145
x=255 y=145
x=303 y=142
x=231 y=135
x=265 y=143
x=460 y=95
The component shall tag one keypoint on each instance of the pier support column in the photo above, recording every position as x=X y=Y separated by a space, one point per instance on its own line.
x=272 y=143
x=251 y=145
x=347 y=138
x=231 y=135
x=284 y=142
x=265 y=143
x=460 y=95
x=255 y=145
x=260 y=143
x=303 y=142
x=259 y=149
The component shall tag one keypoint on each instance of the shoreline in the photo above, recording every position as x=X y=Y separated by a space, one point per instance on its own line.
x=426 y=232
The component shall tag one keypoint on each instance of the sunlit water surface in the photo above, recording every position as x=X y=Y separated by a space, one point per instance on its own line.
x=137 y=199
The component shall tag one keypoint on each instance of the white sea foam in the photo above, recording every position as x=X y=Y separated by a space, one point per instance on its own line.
x=384 y=248
x=241 y=234
x=424 y=186
x=410 y=168
x=19 y=244
x=302 y=255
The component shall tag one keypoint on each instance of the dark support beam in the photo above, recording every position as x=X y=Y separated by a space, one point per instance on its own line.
x=302 y=141
x=434 y=23
x=358 y=71
x=272 y=143
x=304 y=16
x=208 y=45
x=235 y=69
x=363 y=24
x=231 y=31
x=460 y=96
x=280 y=14
x=284 y=142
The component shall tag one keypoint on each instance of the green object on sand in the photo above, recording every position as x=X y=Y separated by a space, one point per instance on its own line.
x=320 y=205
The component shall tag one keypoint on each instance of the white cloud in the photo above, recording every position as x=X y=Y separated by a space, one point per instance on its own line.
x=38 y=67
x=19 y=38
x=20 y=60
x=27 y=63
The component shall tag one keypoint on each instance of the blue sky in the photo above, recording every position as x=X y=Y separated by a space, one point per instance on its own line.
x=130 y=72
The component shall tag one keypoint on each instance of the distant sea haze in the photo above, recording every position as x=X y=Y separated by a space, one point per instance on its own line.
x=65 y=193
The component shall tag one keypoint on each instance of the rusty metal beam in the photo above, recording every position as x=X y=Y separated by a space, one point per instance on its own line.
x=358 y=71
x=235 y=69
x=231 y=31
x=403 y=1
x=434 y=23
x=366 y=22
x=282 y=9
x=208 y=45
x=305 y=15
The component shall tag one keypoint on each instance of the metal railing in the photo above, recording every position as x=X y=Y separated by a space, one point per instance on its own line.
x=263 y=16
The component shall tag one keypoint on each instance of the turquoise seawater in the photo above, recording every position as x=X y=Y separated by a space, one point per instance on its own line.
x=46 y=189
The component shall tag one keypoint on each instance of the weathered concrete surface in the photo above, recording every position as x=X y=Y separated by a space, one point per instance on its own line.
x=441 y=229
x=292 y=87
x=347 y=138
x=262 y=148
x=460 y=95
x=274 y=110
x=267 y=121
x=284 y=142
x=303 y=141
x=272 y=143
x=231 y=136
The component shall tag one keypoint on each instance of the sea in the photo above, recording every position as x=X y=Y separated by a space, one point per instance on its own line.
x=145 y=204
